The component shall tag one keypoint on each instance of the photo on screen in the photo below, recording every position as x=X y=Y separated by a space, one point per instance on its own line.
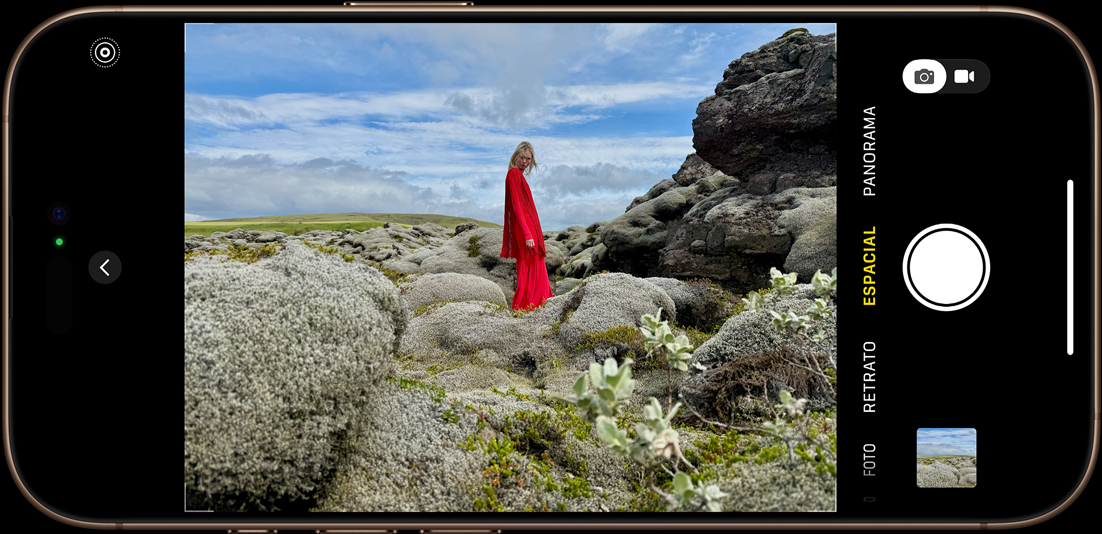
x=510 y=267
x=946 y=457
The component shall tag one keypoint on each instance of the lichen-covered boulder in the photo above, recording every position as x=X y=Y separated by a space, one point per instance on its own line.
x=752 y=332
x=473 y=252
x=580 y=265
x=407 y=460
x=280 y=357
x=445 y=287
x=565 y=285
x=476 y=252
x=933 y=476
x=748 y=357
x=813 y=224
x=429 y=229
x=700 y=304
x=466 y=327
x=609 y=300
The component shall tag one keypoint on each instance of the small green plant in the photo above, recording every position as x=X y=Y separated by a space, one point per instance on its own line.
x=677 y=350
x=437 y=393
x=555 y=326
x=322 y=248
x=697 y=337
x=612 y=336
x=473 y=250
x=800 y=435
x=754 y=302
x=783 y=284
x=653 y=438
x=819 y=310
x=613 y=384
x=789 y=321
x=451 y=416
x=825 y=285
x=395 y=277
x=696 y=496
x=420 y=310
x=573 y=487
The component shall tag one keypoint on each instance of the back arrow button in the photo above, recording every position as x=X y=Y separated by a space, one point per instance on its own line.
x=105 y=267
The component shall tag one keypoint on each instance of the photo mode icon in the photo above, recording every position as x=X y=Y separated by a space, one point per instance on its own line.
x=924 y=76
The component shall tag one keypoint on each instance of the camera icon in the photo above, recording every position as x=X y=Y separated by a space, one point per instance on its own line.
x=924 y=76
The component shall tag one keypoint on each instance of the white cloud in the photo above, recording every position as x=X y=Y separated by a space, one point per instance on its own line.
x=523 y=106
x=623 y=37
x=257 y=184
x=194 y=217
x=934 y=449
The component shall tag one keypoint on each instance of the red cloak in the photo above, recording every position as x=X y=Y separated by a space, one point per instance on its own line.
x=521 y=220
x=521 y=224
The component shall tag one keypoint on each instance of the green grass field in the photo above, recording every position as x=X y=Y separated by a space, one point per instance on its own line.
x=325 y=221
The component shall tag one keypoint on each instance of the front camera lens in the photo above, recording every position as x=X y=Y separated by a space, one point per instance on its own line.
x=58 y=213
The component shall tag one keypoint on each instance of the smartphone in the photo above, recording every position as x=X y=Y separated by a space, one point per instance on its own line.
x=445 y=262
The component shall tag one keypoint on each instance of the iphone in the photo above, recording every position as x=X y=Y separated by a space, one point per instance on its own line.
x=449 y=263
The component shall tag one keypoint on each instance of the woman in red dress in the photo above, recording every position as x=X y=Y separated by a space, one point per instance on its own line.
x=523 y=236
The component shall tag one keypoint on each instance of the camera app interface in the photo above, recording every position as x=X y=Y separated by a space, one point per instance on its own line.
x=512 y=267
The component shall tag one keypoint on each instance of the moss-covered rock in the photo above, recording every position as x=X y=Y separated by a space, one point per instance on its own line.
x=280 y=358
x=453 y=287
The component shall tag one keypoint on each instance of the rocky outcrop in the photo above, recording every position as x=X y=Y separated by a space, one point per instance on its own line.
x=774 y=112
x=765 y=148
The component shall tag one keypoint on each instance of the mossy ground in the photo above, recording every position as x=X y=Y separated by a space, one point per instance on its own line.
x=532 y=450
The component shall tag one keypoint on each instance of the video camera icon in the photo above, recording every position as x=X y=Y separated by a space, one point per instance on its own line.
x=964 y=76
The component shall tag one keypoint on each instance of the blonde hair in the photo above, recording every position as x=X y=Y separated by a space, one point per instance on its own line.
x=524 y=145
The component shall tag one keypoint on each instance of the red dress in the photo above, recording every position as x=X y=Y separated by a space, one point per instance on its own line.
x=521 y=224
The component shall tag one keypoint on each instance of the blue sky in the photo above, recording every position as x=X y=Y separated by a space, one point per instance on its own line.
x=422 y=118
x=948 y=441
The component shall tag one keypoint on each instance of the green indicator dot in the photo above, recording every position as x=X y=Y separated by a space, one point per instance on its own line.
x=58 y=241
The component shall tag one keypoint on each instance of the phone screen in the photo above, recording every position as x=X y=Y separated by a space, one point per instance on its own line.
x=440 y=266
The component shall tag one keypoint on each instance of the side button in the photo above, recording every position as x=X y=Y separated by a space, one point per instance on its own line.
x=11 y=268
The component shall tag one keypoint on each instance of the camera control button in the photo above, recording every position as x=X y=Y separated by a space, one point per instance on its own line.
x=946 y=267
x=105 y=267
x=924 y=76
